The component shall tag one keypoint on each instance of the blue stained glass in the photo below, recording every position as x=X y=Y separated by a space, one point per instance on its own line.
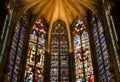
x=40 y=47
x=16 y=51
x=102 y=36
x=16 y=36
x=101 y=49
x=13 y=51
x=103 y=76
x=14 y=43
x=101 y=67
x=21 y=41
x=22 y=34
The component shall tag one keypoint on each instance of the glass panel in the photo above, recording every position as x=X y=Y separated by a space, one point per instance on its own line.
x=16 y=51
x=59 y=55
x=83 y=61
x=104 y=49
x=36 y=51
x=101 y=50
x=19 y=54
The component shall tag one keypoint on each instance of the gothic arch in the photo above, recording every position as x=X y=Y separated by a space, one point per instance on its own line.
x=68 y=31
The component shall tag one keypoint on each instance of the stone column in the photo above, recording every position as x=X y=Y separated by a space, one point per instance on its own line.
x=47 y=67
x=71 y=63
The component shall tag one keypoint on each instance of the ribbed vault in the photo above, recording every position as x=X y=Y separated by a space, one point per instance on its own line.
x=53 y=10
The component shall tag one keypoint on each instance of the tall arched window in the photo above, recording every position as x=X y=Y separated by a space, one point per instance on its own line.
x=5 y=33
x=83 y=61
x=101 y=50
x=36 y=51
x=16 y=49
x=59 y=54
x=112 y=30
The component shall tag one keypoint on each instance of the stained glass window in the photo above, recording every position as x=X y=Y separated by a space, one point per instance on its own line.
x=83 y=61
x=101 y=50
x=36 y=51
x=112 y=30
x=59 y=54
x=5 y=33
x=16 y=50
